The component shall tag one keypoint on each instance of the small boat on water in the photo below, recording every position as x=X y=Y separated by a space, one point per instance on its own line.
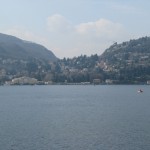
x=140 y=91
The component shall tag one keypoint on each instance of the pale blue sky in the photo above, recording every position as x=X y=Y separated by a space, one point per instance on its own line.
x=73 y=27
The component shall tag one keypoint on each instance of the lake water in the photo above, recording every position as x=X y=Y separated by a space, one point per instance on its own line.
x=75 y=117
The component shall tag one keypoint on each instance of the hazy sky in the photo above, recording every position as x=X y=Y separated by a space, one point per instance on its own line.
x=73 y=27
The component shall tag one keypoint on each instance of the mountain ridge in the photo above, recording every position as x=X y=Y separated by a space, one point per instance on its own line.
x=124 y=63
x=13 y=47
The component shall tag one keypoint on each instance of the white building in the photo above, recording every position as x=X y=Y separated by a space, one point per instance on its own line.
x=148 y=82
x=24 y=80
x=108 y=81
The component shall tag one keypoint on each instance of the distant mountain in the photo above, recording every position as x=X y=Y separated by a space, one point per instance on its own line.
x=128 y=61
x=23 y=58
x=139 y=46
x=14 y=48
x=125 y=63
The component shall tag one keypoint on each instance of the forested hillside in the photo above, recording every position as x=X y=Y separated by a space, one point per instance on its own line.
x=125 y=63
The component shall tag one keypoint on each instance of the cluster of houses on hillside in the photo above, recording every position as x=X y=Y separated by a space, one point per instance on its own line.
x=32 y=81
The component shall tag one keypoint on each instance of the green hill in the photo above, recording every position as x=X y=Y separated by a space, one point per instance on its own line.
x=15 y=48
x=129 y=61
x=124 y=63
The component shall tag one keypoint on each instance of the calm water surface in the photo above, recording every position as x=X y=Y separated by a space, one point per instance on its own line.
x=74 y=118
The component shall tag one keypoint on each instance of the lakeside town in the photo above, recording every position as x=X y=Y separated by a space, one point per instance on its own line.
x=33 y=81
x=125 y=63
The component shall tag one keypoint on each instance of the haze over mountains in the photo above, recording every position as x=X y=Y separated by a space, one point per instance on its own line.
x=125 y=63
x=13 y=47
